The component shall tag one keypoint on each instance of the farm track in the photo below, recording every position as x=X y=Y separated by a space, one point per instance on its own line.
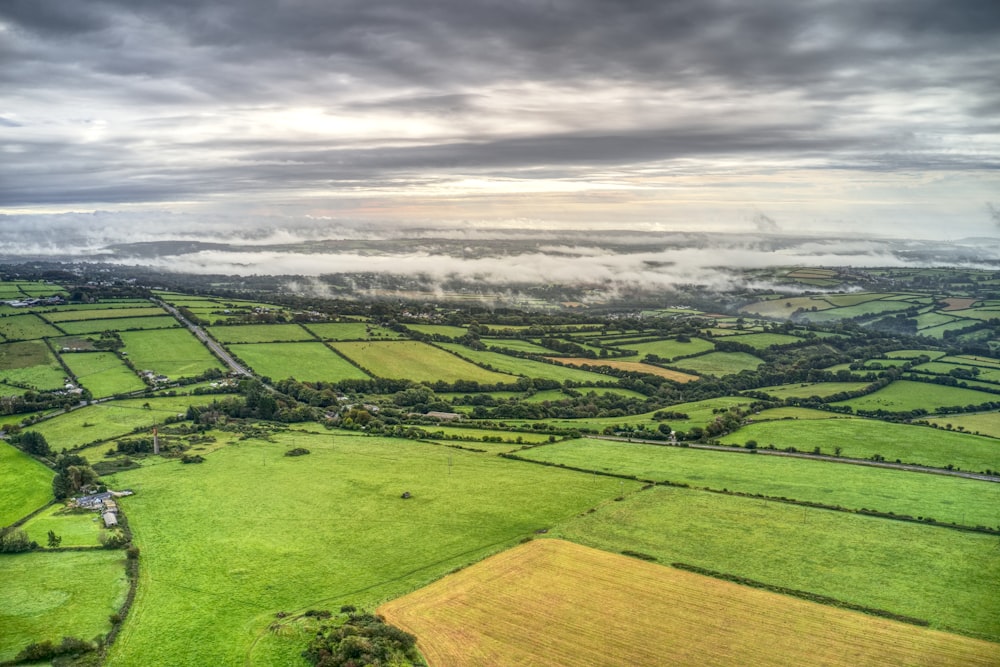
x=816 y=457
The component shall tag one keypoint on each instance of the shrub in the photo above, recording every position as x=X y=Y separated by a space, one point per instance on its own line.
x=298 y=451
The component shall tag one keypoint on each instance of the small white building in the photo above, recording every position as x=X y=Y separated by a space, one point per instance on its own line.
x=110 y=519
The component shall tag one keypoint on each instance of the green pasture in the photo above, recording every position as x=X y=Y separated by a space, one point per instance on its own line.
x=913 y=354
x=987 y=423
x=25 y=484
x=946 y=577
x=518 y=345
x=438 y=329
x=352 y=331
x=82 y=327
x=76 y=527
x=103 y=373
x=791 y=412
x=762 y=341
x=720 y=363
x=40 y=289
x=260 y=333
x=102 y=305
x=74 y=314
x=810 y=389
x=988 y=362
x=867 y=308
x=699 y=414
x=478 y=434
x=303 y=361
x=906 y=395
x=417 y=361
x=784 y=307
x=175 y=353
x=102 y=421
x=503 y=363
x=863 y=438
x=56 y=595
x=560 y=395
x=26 y=327
x=938 y=331
x=841 y=300
x=669 y=348
x=946 y=499
x=31 y=363
x=229 y=543
x=932 y=319
x=984 y=373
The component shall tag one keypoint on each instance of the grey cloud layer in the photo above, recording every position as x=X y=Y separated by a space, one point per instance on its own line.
x=162 y=101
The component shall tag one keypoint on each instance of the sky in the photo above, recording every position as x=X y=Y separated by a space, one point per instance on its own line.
x=846 y=117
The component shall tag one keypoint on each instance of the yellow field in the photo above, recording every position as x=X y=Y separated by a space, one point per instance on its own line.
x=634 y=366
x=551 y=602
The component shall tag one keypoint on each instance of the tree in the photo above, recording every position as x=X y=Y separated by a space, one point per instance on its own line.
x=54 y=540
x=34 y=442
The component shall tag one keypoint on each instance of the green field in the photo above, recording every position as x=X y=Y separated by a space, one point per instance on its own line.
x=120 y=324
x=913 y=354
x=810 y=389
x=867 y=308
x=75 y=314
x=438 y=329
x=53 y=595
x=477 y=434
x=518 y=345
x=987 y=423
x=352 y=331
x=905 y=396
x=943 y=576
x=669 y=348
x=175 y=353
x=946 y=499
x=76 y=528
x=227 y=544
x=103 y=373
x=107 y=420
x=417 y=361
x=560 y=395
x=526 y=367
x=303 y=361
x=761 y=341
x=699 y=413
x=31 y=363
x=260 y=333
x=863 y=438
x=25 y=484
x=720 y=363
x=26 y=327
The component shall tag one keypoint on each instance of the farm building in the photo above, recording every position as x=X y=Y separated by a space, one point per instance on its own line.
x=110 y=519
x=444 y=416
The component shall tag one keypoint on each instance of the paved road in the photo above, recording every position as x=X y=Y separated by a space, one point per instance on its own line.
x=216 y=349
x=818 y=457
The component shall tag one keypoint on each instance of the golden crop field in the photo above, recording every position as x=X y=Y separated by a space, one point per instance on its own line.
x=635 y=366
x=550 y=602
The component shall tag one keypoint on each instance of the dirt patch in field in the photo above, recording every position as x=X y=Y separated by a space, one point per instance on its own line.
x=957 y=304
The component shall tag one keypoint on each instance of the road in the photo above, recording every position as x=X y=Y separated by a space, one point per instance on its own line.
x=816 y=457
x=216 y=349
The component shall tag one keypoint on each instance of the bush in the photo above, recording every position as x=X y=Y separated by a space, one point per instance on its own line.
x=298 y=451
x=192 y=458
x=364 y=639
x=15 y=540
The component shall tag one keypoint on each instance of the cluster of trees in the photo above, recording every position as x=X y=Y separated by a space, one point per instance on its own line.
x=363 y=639
x=73 y=476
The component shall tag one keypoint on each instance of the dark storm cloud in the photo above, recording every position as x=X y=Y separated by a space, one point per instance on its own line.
x=799 y=81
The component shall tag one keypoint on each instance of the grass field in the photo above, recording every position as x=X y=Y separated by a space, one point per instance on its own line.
x=477 y=434
x=559 y=395
x=103 y=373
x=260 y=333
x=669 y=348
x=302 y=361
x=25 y=484
x=720 y=363
x=699 y=413
x=862 y=438
x=913 y=354
x=76 y=528
x=26 y=327
x=631 y=366
x=939 y=575
x=438 y=329
x=810 y=389
x=904 y=396
x=352 y=331
x=120 y=324
x=526 y=367
x=315 y=532
x=52 y=595
x=31 y=363
x=946 y=499
x=417 y=361
x=987 y=423
x=761 y=341
x=75 y=314
x=175 y=353
x=488 y=614
x=518 y=345
x=107 y=420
